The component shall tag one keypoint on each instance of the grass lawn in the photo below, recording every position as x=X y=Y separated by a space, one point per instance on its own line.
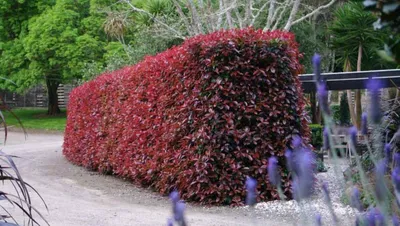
x=36 y=118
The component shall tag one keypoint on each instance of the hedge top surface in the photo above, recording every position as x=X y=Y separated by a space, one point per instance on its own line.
x=199 y=117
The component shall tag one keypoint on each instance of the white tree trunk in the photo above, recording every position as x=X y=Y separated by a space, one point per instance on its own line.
x=271 y=12
x=195 y=18
x=293 y=13
x=228 y=15
x=317 y=10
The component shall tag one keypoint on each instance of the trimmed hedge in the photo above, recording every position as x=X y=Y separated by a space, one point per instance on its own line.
x=199 y=117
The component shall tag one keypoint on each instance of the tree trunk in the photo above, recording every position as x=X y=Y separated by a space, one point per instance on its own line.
x=52 y=87
x=358 y=92
x=347 y=68
x=292 y=15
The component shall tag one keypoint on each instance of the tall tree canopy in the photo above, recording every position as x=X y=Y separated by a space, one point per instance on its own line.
x=53 y=46
x=356 y=44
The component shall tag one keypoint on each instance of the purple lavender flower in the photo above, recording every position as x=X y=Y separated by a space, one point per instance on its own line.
x=273 y=173
x=380 y=188
x=170 y=222
x=326 y=139
x=388 y=154
x=318 y=220
x=289 y=159
x=179 y=214
x=296 y=142
x=395 y=221
x=353 y=135
x=397 y=160
x=316 y=60
x=305 y=177
x=364 y=124
x=355 y=199
x=251 y=185
x=375 y=217
x=174 y=197
x=326 y=192
x=323 y=97
x=396 y=179
x=373 y=88
x=295 y=189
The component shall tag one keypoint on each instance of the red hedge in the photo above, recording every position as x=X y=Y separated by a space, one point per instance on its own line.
x=199 y=117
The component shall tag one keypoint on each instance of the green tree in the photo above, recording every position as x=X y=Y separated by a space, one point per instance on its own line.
x=14 y=16
x=58 y=45
x=356 y=43
x=14 y=21
x=344 y=114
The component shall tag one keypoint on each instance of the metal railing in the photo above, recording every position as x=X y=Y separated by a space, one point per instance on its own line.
x=352 y=80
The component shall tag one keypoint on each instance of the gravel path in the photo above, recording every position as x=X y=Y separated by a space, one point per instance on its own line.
x=76 y=196
x=316 y=205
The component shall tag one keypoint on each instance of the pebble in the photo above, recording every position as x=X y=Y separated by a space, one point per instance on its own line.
x=316 y=205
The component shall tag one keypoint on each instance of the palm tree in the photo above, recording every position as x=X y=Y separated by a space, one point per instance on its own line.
x=355 y=42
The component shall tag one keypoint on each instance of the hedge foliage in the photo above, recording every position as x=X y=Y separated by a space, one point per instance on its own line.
x=199 y=117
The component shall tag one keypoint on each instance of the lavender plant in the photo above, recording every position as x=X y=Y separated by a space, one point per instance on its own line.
x=300 y=163
x=178 y=209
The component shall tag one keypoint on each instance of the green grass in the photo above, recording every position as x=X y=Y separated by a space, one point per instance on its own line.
x=36 y=118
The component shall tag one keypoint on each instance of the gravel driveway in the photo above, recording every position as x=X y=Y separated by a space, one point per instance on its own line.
x=79 y=197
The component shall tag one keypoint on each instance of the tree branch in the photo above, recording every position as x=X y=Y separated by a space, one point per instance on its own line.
x=220 y=16
x=177 y=33
x=270 y=13
x=206 y=18
x=248 y=6
x=293 y=13
x=259 y=12
x=255 y=17
x=195 y=16
x=281 y=10
x=183 y=17
x=317 y=10
x=228 y=15
x=238 y=17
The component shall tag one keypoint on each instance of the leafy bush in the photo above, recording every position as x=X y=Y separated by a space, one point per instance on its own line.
x=335 y=109
x=341 y=113
x=344 y=112
x=317 y=142
x=316 y=136
x=198 y=118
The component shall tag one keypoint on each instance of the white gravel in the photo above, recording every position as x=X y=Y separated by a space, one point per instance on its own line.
x=76 y=196
x=291 y=210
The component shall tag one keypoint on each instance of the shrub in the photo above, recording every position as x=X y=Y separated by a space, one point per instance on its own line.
x=335 y=109
x=344 y=112
x=198 y=118
x=316 y=136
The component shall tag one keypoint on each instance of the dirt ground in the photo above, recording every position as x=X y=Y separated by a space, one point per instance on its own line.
x=79 y=197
